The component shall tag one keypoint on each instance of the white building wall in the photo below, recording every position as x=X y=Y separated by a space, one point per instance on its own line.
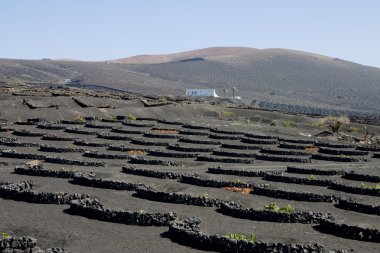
x=201 y=92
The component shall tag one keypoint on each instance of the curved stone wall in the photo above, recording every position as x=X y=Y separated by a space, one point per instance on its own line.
x=239 y=211
x=93 y=209
x=60 y=160
x=141 y=160
x=177 y=198
x=292 y=195
x=314 y=171
x=150 y=173
x=349 y=231
x=224 y=159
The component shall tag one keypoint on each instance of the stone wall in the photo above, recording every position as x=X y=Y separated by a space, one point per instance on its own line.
x=298 y=180
x=151 y=173
x=91 y=180
x=93 y=209
x=338 y=186
x=242 y=173
x=293 y=195
x=187 y=232
x=141 y=160
x=358 y=207
x=351 y=175
x=314 y=171
x=349 y=231
x=239 y=211
x=24 y=245
x=22 y=191
x=177 y=198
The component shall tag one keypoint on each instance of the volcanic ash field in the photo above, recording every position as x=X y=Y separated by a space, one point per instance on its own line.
x=97 y=172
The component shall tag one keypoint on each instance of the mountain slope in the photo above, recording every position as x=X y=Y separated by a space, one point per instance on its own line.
x=202 y=53
x=278 y=77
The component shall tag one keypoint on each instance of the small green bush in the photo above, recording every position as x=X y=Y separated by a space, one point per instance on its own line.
x=227 y=115
x=353 y=129
x=288 y=123
x=365 y=186
x=70 y=147
x=204 y=195
x=252 y=237
x=60 y=120
x=318 y=125
x=131 y=117
x=5 y=235
x=275 y=208
x=273 y=123
x=79 y=119
x=161 y=98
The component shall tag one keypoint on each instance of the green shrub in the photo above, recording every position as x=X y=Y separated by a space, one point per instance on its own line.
x=70 y=147
x=252 y=237
x=204 y=195
x=275 y=208
x=365 y=186
x=317 y=124
x=312 y=177
x=79 y=119
x=288 y=123
x=63 y=169
x=227 y=115
x=162 y=98
x=5 y=235
x=353 y=129
x=60 y=120
x=131 y=117
x=273 y=123
x=288 y=209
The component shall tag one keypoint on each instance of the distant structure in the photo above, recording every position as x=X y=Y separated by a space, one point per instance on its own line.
x=201 y=92
x=66 y=81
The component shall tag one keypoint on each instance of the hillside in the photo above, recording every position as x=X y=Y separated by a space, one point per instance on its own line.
x=281 y=79
x=202 y=53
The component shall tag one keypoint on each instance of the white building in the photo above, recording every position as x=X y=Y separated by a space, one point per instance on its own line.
x=201 y=92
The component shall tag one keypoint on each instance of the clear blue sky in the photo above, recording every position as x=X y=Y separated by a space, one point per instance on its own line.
x=109 y=29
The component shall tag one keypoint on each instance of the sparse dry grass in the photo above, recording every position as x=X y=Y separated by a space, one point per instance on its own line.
x=137 y=152
x=312 y=150
x=335 y=123
x=227 y=115
x=166 y=131
x=239 y=190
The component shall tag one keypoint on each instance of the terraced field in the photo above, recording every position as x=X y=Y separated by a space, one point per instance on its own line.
x=106 y=181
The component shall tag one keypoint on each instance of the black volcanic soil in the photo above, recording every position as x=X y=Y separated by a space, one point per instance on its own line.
x=53 y=226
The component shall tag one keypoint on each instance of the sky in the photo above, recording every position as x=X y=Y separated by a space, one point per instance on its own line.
x=110 y=29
